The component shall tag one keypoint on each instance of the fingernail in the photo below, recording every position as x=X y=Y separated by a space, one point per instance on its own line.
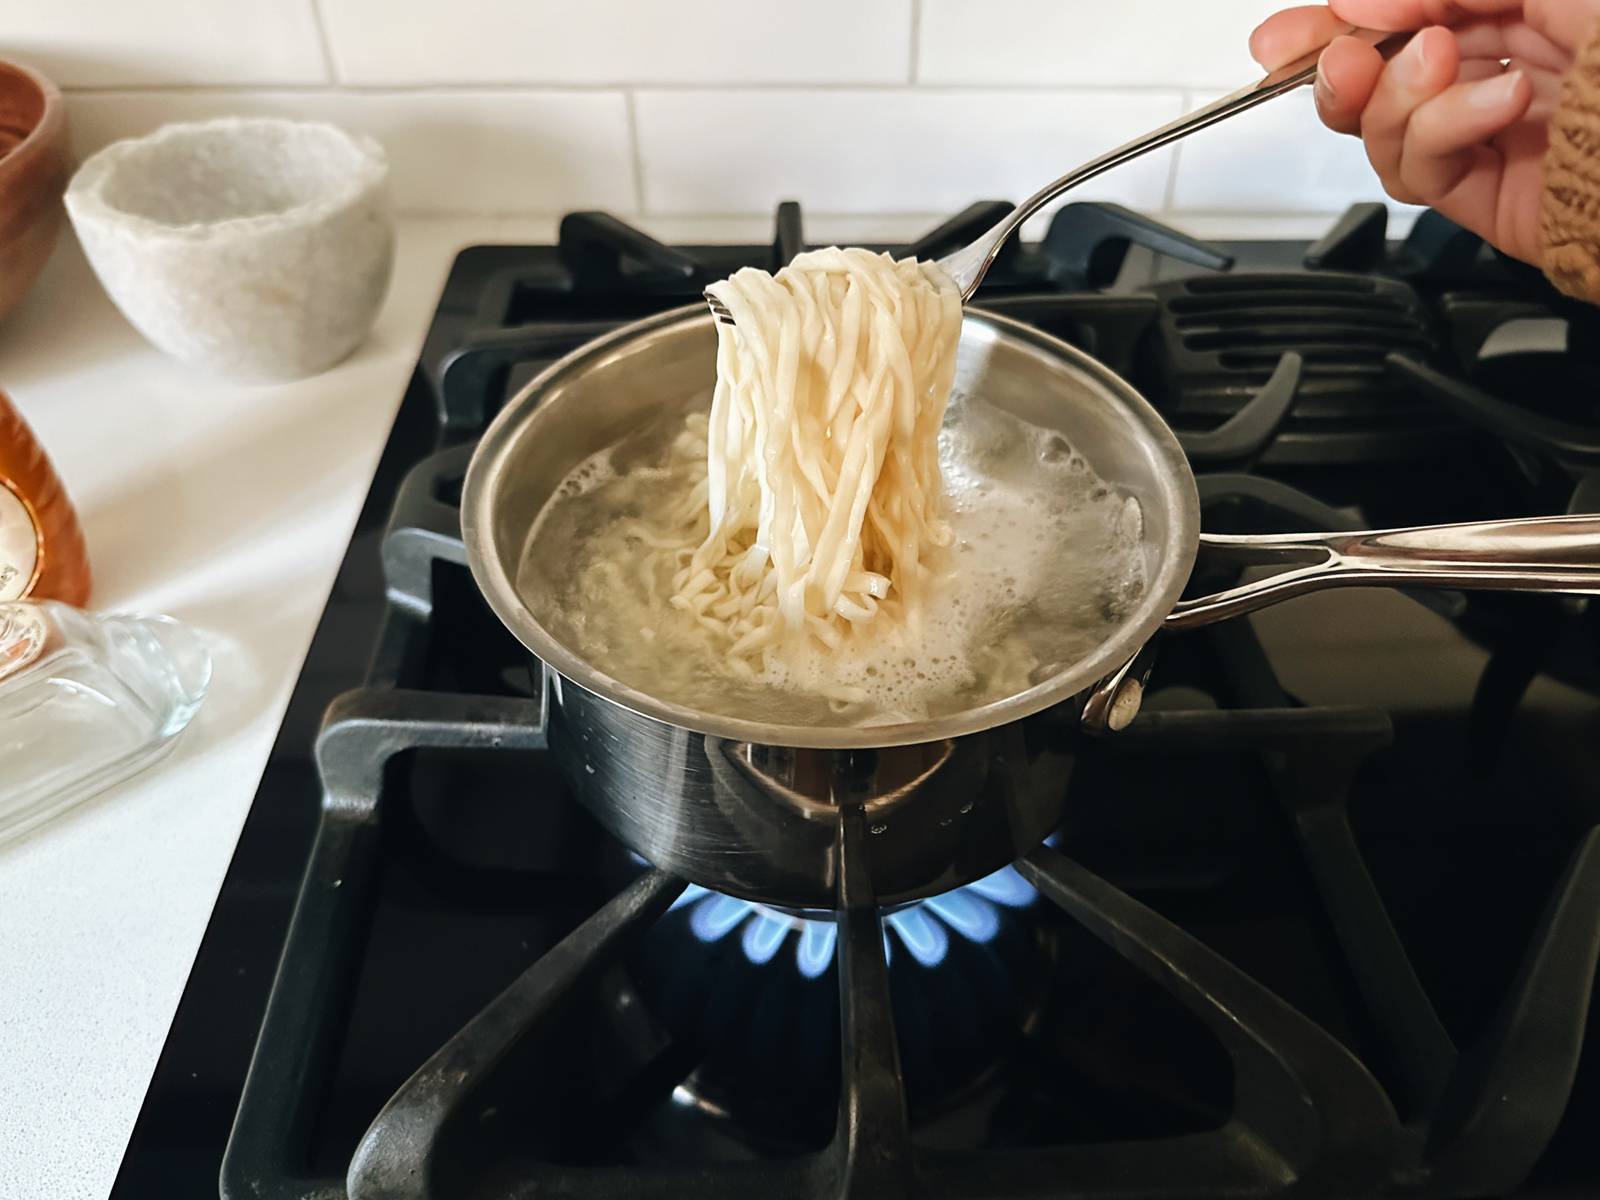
x=1323 y=91
x=1496 y=92
x=1408 y=66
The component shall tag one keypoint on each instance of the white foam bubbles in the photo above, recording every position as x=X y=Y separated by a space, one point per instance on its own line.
x=591 y=473
x=1044 y=563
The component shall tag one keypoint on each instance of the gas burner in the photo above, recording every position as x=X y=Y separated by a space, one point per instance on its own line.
x=922 y=928
x=731 y=984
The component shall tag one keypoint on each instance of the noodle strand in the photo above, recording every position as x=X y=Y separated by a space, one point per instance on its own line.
x=822 y=475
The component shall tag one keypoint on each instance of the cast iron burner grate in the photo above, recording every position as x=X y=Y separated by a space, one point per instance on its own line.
x=1306 y=1114
x=607 y=273
x=1221 y=338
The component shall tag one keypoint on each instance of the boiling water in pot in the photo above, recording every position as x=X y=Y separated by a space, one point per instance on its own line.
x=1045 y=563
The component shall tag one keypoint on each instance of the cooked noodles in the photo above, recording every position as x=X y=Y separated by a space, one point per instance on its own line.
x=822 y=471
x=838 y=540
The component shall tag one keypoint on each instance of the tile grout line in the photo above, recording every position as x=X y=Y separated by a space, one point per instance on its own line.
x=329 y=64
x=916 y=37
x=635 y=151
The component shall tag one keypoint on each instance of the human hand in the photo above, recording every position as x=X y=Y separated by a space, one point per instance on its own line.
x=1459 y=119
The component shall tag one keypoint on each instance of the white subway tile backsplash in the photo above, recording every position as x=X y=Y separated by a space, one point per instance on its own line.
x=886 y=151
x=710 y=111
x=612 y=41
x=1162 y=43
x=85 y=43
x=478 y=152
x=1278 y=158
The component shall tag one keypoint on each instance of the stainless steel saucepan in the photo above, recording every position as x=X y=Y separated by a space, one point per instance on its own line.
x=754 y=809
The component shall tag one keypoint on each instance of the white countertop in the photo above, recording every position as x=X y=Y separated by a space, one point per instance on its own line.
x=229 y=507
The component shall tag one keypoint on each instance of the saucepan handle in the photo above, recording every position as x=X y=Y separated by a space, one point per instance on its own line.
x=1535 y=554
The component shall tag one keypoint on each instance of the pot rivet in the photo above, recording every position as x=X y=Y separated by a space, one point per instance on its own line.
x=1125 y=705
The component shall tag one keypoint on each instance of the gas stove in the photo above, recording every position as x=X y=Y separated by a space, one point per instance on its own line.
x=1323 y=921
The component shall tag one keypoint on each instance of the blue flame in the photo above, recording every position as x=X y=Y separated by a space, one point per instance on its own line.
x=924 y=937
x=967 y=914
x=923 y=929
x=691 y=892
x=815 y=951
x=1006 y=886
x=716 y=916
x=763 y=934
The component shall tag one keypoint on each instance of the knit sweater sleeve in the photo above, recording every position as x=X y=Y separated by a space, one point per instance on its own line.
x=1570 y=218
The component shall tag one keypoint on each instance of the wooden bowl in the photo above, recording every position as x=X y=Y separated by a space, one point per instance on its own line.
x=34 y=165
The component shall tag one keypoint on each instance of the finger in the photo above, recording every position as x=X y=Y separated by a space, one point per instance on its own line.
x=1518 y=217
x=1475 y=69
x=1447 y=156
x=1547 y=33
x=1416 y=75
x=1502 y=39
x=1293 y=33
x=1346 y=76
x=1567 y=23
x=1414 y=14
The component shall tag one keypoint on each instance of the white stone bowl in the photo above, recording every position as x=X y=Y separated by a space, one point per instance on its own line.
x=256 y=247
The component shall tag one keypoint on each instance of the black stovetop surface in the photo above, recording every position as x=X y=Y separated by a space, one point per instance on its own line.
x=1379 y=812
